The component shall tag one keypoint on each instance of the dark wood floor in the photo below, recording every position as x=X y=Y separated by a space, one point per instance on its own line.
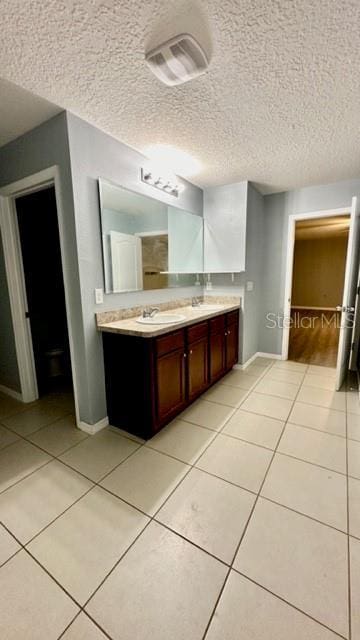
x=314 y=337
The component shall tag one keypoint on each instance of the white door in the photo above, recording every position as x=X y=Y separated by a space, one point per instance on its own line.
x=356 y=332
x=126 y=262
x=349 y=297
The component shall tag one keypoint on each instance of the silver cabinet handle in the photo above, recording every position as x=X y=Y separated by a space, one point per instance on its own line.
x=190 y=352
x=185 y=355
x=229 y=333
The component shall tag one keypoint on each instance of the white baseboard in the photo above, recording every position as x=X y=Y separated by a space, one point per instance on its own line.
x=10 y=392
x=314 y=308
x=273 y=356
x=93 y=428
x=258 y=354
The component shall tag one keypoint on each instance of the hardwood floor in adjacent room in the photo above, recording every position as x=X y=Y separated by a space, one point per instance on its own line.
x=314 y=337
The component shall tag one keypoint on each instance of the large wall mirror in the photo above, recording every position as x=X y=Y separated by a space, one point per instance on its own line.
x=147 y=244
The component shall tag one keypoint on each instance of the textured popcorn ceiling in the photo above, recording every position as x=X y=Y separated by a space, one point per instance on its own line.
x=21 y=111
x=279 y=104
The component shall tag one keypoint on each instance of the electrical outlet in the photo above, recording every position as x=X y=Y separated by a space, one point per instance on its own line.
x=99 y=296
x=208 y=286
x=249 y=286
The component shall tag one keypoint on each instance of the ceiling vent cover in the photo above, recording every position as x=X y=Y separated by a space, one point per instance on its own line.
x=177 y=60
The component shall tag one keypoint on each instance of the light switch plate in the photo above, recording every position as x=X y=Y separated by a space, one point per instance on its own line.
x=249 y=286
x=99 y=296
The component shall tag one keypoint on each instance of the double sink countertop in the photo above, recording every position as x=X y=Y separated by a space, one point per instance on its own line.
x=124 y=321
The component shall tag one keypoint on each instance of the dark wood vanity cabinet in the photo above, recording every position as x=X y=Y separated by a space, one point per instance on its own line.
x=232 y=340
x=149 y=381
x=217 y=327
x=169 y=376
x=197 y=356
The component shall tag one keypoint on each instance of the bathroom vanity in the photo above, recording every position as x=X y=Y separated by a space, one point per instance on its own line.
x=153 y=372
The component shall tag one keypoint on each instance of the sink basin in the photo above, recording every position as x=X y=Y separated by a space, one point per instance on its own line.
x=208 y=307
x=162 y=318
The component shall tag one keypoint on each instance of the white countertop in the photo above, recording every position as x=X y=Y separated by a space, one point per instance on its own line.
x=192 y=315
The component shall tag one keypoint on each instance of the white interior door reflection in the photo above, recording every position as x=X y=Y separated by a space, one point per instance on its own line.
x=126 y=262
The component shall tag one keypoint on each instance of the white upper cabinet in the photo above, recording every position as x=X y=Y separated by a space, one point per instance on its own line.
x=225 y=228
x=185 y=241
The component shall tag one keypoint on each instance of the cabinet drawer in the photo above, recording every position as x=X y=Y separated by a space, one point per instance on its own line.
x=217 y=324
x=232 y=317
x=197 y=331
x=170 y=342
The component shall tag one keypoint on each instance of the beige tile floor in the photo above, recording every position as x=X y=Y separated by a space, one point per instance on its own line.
x=238 y=521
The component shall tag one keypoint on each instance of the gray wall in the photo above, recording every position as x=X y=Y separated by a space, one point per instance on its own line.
x=95 y=154
x=278 y=208
x=83 y=153
x=9 y=372
x=253 y=273
x=43 y=147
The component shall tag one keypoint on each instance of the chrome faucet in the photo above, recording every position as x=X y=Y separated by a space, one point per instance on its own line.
x=195 y=302
x=150 y=312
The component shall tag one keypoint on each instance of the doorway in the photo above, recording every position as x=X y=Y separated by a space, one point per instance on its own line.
x=318 y=274
x=39 y=240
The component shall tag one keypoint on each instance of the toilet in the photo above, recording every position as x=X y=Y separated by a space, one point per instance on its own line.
x=55 y=362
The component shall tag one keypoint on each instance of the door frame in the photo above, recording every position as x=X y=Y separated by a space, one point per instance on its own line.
x=293 y=219
x=16 y=282
x=356 y=332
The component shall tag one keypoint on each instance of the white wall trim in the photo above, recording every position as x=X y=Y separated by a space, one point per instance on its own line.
x=17 y=297
x=273 y=356
x=258 y=354
x=15 y=277
x=323 y=213
x=91 y=429
x=11 y=392
x=306 y=307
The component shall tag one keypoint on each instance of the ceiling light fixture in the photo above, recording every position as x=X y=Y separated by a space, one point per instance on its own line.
x=157 y=181
x=177 y=60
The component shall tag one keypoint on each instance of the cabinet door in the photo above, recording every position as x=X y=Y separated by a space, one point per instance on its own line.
x=197 y=367
x=217 y=355
x=170 y=384
x=232 y=344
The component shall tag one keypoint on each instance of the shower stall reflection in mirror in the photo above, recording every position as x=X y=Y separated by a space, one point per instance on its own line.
x=17 y=282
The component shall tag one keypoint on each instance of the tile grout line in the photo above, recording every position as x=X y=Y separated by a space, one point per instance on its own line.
x=97 y=483
x=246 y=526
x=152 y=518
x=48 y=424
x=327 y=433
x=250 y=516
x=69 y=625
x=27 y=475
x=85 y=613
x=293 y=606
x=191 y=466
x=26 y=437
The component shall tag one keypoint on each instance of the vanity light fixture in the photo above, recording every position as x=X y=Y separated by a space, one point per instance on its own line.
x=157 y=181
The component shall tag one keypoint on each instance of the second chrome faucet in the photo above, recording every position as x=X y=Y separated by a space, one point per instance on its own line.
x=150 y=312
